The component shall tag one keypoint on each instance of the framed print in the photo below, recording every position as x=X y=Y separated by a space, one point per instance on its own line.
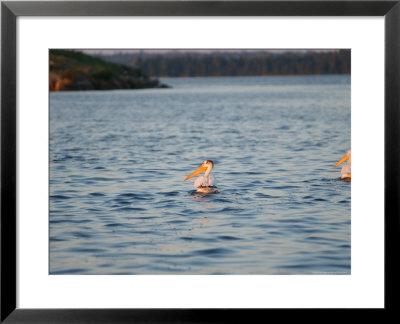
x=99 y=217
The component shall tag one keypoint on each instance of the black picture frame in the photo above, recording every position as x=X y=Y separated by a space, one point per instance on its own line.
x=10 y=10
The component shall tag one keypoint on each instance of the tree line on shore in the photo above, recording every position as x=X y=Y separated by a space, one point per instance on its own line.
x=193 y=64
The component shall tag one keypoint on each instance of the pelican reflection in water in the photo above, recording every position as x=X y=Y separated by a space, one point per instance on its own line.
x=204 y=184
x=346 y=169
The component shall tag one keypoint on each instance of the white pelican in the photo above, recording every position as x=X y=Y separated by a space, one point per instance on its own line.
x=206 y=183
x=346 y=169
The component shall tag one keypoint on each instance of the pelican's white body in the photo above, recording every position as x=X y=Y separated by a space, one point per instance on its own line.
x=346 y=170
x=204 y=181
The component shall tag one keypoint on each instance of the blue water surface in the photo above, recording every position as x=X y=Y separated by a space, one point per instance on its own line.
x=119 y=205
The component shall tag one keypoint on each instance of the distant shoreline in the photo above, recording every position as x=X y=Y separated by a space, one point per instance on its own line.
x=259 y=63
x=252 y=76
x=75 y=71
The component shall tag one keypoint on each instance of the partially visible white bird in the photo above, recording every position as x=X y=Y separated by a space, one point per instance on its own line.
x=346 y=169
x=205 y=183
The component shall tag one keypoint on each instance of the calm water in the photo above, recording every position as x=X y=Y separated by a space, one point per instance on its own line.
x=119 y=205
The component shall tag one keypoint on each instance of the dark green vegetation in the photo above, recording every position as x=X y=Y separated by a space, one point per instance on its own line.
x=72 y=70
x=238 y=64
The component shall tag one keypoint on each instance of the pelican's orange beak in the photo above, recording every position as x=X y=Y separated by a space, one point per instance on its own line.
x=199 y=170
x=344 y=158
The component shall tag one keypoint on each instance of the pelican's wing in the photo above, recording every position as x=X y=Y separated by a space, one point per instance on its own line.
x=211 y=181
x=346 y=171
x=203 y=181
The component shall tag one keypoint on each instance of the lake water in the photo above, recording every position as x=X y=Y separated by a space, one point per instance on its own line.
x=119 y=205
